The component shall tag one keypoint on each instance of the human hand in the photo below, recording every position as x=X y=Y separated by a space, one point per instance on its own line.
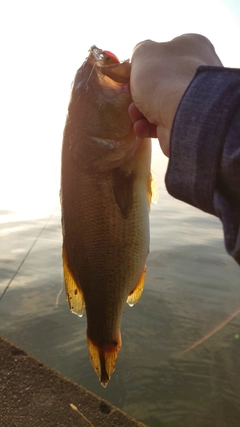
x=160 y=74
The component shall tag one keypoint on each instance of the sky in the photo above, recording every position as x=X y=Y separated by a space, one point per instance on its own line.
x=44 y=42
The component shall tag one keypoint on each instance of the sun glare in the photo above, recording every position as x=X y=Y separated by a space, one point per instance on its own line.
x=44 y=44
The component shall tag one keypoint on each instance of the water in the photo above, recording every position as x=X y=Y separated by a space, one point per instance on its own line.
x=192 y=285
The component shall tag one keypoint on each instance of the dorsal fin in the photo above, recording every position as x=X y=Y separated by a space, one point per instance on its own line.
x=74 y=292
x=152 y=190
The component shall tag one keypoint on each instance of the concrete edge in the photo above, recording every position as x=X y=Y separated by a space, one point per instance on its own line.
x=34 y=395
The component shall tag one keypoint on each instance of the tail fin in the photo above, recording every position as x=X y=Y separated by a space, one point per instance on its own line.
x=104 y=359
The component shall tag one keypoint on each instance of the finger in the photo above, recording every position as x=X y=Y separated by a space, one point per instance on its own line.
x=134 y=113
x=144 y=129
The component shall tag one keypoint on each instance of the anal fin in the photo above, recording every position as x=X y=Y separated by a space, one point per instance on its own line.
x=135 y=295
x=74 y=293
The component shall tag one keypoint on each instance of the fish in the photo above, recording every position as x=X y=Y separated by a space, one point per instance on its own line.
x=105 y=199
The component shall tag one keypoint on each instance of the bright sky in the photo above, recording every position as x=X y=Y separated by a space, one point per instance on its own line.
x=44 y=42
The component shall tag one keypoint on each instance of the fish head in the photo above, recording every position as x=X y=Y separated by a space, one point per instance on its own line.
x=100 y=132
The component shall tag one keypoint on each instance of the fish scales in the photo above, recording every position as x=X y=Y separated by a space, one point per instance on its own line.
x=105 y=191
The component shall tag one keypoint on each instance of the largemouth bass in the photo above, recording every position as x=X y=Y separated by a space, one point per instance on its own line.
x=105 y=196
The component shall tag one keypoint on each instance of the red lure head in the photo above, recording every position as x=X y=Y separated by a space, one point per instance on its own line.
x=104 y=57
x=110 y=57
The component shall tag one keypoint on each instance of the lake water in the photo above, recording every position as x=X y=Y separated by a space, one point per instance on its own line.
x=192 y=286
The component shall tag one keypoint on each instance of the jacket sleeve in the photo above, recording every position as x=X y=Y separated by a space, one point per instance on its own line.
x=204 y=162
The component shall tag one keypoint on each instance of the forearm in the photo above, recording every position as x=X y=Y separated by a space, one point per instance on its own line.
x=204 y=165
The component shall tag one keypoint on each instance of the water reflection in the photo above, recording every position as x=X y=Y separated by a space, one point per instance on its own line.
x=191 y=286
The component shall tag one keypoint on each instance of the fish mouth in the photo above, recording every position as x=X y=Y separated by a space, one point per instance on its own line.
x=110 y=66
x=104 y=55
x=97 y=53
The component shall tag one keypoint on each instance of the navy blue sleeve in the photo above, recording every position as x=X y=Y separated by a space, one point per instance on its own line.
x=204 y=161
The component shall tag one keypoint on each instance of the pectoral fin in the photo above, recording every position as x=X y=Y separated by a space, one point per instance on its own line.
x=123 y=190
x=74 y=293
x=135 y=295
